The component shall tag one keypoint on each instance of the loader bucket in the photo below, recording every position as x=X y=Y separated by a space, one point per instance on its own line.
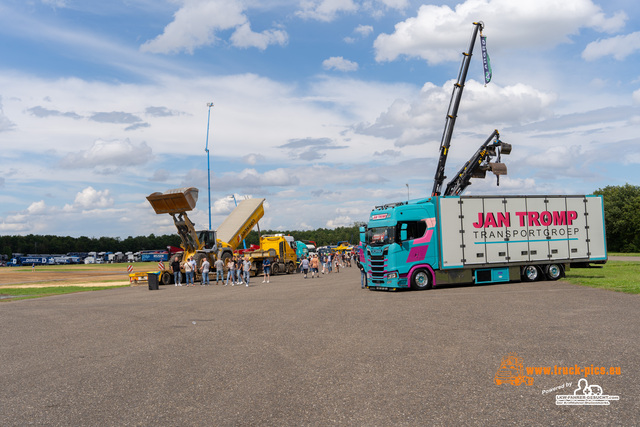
x=505 y=148
x=174 y=201
x=498 y=168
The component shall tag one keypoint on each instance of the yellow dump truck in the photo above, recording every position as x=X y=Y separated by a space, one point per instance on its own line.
x=278 y=248
x=205 y=243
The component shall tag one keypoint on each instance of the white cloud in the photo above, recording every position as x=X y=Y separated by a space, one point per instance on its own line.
x=619 y=47
x=420 y=120
x=636 y=96
x=341 y=221
x=340 y=64
x=557 y=157
x=55 y=3
x=244 y=37
x=5 y=123
x=251 y=178
x=363 y=30
x=103 y=154
x=195 y=25
x=437 y=32
x=90 y=198
x=37 y=208
x=253 y=158
x=325 y=10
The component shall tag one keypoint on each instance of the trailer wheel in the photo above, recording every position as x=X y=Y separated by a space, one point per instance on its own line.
x=421 y=280
x=553 y=271
x=530 y=273
x=166 y=278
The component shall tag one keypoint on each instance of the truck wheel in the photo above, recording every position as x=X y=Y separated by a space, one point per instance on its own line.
x=166 y=278
x=553 y=271
x=292 y=268
x=421 y=280
x=274 y=268
x=530 y=273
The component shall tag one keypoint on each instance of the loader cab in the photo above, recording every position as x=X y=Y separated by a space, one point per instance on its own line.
x=207 y=238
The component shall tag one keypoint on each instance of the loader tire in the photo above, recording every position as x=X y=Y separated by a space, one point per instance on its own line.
x=166 y=278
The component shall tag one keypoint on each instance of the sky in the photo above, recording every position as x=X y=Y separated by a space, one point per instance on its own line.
x=325 y=108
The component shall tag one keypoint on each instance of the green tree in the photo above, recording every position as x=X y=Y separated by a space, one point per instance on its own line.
x=622 y=217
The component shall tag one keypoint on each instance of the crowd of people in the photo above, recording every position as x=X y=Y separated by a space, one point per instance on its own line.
x=324 y=263
x=238 y=268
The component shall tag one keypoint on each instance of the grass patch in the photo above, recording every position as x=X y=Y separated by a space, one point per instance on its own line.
x=27 y=293
x=621 y=276
x=622 y=254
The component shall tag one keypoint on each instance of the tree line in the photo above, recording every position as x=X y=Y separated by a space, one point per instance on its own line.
x=621 y=207
x=49 y=244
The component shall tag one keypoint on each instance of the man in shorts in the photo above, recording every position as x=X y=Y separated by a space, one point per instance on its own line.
x=304 y=266
x=266 y=267
x=315 y=263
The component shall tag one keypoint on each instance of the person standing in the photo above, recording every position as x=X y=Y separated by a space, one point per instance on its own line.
x=304 y=266
x=324 y=263
x=194 y=270
x=219 y=265
x=231 y=271
x=239 y=271
x=204 y=268
x=177 y=275
x=314 y=267
x=363 y=275
x=188 y=271
x=329 y=263
x=266 y=268
x=246 y=267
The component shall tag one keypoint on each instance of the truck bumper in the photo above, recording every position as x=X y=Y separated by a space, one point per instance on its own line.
x=387 y=283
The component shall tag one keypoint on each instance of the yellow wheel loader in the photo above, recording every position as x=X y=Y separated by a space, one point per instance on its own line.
x=205 y=243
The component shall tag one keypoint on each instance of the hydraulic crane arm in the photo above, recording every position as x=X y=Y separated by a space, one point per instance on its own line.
x=479 y=164
x=452 y=112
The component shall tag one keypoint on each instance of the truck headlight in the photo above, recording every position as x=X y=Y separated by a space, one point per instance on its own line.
x=393 y=275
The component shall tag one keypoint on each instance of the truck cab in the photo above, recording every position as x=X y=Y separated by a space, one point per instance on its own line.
x=399 y=244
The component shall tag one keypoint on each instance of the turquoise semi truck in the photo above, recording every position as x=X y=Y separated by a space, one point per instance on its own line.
x=438 y=240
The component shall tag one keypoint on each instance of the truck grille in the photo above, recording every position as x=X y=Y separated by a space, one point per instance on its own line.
x=378 y=265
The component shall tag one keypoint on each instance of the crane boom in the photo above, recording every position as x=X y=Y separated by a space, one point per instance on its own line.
x=479 y=164
x=452 y=112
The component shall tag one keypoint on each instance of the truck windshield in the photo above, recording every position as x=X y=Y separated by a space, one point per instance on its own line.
x=381 y=236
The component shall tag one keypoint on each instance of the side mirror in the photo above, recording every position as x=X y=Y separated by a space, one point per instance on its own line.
x=403 y=232
x=362 y=234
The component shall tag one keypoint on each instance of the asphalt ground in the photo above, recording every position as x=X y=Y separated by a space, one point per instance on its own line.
x=314 y=352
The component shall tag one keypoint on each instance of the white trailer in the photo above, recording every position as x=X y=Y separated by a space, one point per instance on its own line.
x=520 y=229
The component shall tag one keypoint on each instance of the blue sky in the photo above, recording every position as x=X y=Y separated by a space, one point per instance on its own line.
x=326 y=108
